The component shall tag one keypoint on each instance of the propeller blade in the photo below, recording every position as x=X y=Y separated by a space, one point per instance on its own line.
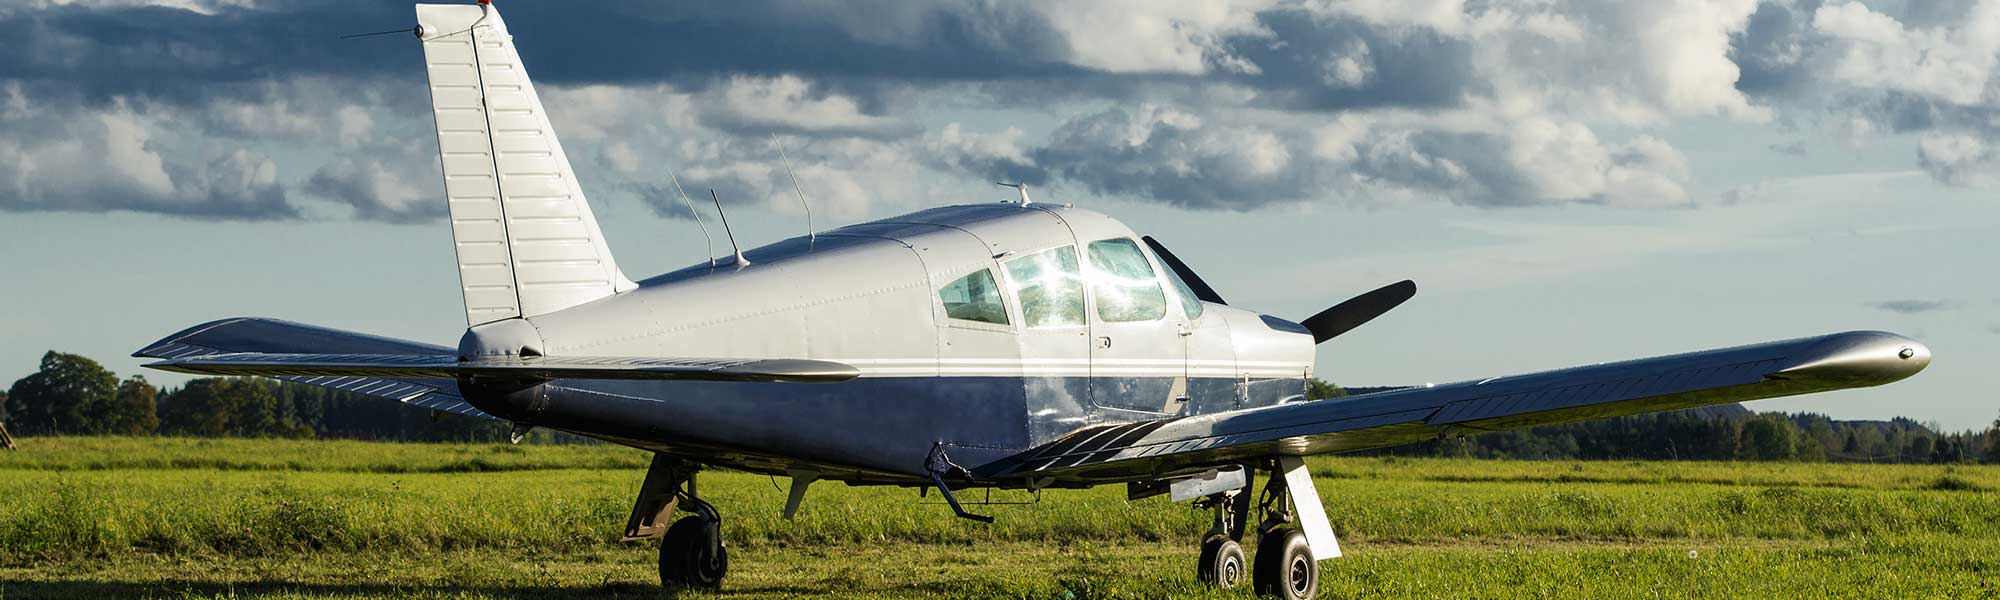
x=1201 y=289
x=1357 y=310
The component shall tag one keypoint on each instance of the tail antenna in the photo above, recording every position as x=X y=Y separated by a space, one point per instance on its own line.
x=810 y=235
x=708 y=240
x=1018 y=187
x=740 y=261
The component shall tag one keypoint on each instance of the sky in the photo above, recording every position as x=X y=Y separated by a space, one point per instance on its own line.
x=1567 y=181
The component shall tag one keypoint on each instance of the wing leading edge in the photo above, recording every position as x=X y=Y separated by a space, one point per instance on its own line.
x=1162 y=448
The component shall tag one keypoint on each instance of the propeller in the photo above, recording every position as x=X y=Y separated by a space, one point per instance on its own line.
x=1325 y=325
x=1201 y=289
x=1357 y=310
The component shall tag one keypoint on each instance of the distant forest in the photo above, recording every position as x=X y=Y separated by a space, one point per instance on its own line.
x=74 y=395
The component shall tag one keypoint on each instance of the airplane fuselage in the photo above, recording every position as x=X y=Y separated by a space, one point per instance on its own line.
x=984 y=329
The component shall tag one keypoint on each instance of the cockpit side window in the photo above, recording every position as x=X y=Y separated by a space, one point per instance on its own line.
x=1050 y=286
x=1124 y=284
x=974 y=297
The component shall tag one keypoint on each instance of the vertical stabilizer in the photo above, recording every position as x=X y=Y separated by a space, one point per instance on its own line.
x=527 y=242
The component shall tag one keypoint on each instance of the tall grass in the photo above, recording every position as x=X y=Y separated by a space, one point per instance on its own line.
x=84 y=497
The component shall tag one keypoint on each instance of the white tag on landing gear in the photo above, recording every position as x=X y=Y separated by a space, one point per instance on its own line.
x=1306 y=507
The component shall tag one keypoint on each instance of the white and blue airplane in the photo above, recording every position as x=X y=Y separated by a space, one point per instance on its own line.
x=1013 y=345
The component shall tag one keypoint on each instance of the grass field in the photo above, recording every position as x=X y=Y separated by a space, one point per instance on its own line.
x=169 y=518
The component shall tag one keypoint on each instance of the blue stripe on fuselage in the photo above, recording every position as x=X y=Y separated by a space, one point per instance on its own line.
x=878 y=423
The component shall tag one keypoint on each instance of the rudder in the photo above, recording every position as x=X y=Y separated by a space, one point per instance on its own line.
x=526 y=240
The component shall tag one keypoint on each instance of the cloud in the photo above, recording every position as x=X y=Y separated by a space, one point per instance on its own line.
x=99 y=160
x=1196 y=105
x=1915 y=306
x=1929 y=68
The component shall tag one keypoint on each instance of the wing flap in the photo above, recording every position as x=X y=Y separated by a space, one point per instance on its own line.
x=1151 y=449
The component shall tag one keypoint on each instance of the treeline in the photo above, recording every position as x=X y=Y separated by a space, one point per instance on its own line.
x=74 y=395
x=1726 y=432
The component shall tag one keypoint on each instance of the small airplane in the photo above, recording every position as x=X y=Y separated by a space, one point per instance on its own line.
x=1011 y=345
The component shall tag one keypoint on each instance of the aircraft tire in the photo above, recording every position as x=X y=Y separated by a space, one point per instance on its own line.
x=1222 y=564
x=1285 y=567
x=685 y=557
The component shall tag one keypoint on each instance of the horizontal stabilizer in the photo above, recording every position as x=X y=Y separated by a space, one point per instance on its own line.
x=549 y=367
x=254 y=335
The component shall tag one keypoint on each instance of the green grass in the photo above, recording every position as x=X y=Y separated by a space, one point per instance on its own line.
x=107 y=517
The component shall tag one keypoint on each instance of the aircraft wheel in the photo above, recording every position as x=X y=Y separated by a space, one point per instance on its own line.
x=1285 y=567
x=692 y=555
x=1222 y=563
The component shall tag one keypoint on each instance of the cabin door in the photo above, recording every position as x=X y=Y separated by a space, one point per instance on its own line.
x=1048 y=288
x=1138 y=359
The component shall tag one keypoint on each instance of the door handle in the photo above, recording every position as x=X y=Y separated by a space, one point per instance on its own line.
x=1104 y=342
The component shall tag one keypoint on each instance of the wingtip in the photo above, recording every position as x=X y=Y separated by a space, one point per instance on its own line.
x=1861 y=358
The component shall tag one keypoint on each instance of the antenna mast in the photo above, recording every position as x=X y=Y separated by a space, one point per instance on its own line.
x=810 y=235
x=1018 y=187
x=740 y=261
x=708 y=240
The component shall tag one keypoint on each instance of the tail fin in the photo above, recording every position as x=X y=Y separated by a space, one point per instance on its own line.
x=527 y=242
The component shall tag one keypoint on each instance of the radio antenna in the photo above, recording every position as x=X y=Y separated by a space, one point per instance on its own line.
x=708 y=240
x=1018 y=187
x=810 y=236
x=740 y=261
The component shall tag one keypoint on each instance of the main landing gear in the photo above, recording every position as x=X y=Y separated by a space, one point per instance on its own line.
x=692 y=553
x=1284 y=563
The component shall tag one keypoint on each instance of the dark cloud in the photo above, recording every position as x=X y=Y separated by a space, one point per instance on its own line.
x=1774 y=51
x=1324 y=62
x=1794 y=148
x=1915 y=306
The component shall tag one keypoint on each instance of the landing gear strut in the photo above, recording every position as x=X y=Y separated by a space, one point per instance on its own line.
x=1284 y=564
x=692 y=553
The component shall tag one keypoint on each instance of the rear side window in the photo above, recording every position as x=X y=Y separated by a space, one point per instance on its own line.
x=974 y=297
x=1050 y=287
x=1123 y=283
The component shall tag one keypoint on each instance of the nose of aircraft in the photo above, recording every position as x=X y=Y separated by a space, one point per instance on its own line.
x=1861 y=358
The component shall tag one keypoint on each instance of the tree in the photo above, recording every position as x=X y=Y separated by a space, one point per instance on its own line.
x=1767 y=437
x=197 y=410
x=1993 y=443
x=68 y=394
x=256 y=408
x=1318 y=389
x=134 y=411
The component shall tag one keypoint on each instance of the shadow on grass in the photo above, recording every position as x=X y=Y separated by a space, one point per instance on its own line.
x=190 y=589
x=97 y=590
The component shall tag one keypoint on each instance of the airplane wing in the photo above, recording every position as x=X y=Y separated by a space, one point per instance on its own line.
x=1166 y=448
x=240 y=335
x=538 y=367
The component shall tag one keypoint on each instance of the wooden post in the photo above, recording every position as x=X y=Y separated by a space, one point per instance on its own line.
x=6 y=441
